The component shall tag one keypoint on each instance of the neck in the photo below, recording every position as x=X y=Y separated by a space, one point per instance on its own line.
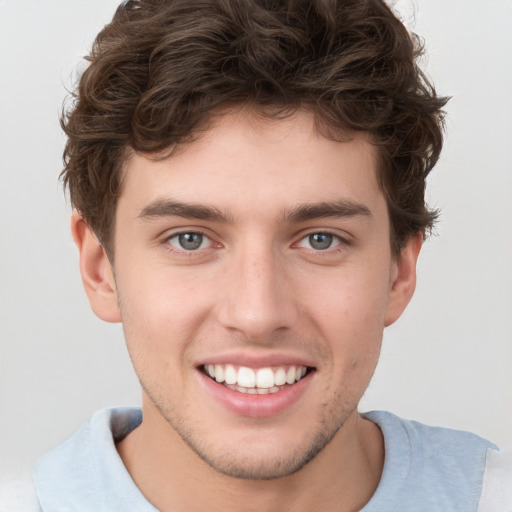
x=341 y=478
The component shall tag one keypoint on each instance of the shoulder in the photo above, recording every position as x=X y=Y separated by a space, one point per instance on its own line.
x=422 y=439
x=94 y=440
x=18 y=494
x=441 y=468
x=85 y=472
x=497 y=482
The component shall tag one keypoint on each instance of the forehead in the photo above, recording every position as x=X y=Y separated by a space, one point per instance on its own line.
x=243 y=162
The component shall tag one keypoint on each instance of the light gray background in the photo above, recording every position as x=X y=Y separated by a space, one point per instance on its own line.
x=447 y=361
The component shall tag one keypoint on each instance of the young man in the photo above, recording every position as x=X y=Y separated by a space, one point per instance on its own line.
x=248 y=180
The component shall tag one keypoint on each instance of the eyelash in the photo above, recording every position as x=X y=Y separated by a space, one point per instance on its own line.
x=182 y=252
x=334 y=236
x=341 y=245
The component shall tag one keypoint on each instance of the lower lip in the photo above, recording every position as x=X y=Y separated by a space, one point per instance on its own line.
x=255 y=406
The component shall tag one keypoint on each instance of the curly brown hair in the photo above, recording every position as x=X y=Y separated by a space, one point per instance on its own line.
x=161 y=67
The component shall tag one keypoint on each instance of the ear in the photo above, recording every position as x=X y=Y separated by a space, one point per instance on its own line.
x=97 y=275
x=403 y=279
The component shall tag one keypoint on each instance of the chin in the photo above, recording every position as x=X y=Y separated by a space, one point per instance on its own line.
x=257 y=459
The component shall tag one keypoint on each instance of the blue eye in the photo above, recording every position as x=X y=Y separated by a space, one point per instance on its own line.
x=320 y=241
x=189 y=241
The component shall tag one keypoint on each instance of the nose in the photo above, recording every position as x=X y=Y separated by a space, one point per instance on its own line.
x=257 y=299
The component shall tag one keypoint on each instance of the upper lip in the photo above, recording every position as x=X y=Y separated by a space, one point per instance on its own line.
x=257 y=361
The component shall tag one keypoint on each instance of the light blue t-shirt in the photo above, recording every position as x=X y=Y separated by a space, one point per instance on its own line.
x=426 y=469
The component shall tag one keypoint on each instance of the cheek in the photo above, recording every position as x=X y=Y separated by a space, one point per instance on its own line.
x=160 y=298
x=160 y=317
x=350 y=314
x=352 y=300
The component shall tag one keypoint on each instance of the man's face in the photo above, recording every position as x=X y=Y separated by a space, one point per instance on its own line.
x=259 y=254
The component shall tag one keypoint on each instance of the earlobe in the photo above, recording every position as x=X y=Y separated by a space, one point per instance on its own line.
x=403 y=280
x=96 y=271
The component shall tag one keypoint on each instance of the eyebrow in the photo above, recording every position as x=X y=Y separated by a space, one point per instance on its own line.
x=301 y=213
x=339 y=209
x=165 y=208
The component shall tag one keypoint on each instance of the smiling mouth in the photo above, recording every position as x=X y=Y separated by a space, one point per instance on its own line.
x=256 y=381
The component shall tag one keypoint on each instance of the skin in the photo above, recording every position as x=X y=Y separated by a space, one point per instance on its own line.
x=255 y=289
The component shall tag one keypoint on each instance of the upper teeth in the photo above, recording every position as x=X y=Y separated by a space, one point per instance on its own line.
x=264 y=378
